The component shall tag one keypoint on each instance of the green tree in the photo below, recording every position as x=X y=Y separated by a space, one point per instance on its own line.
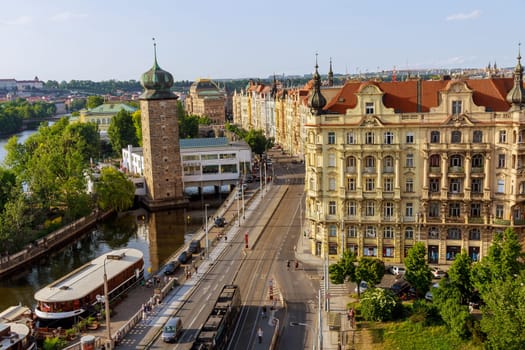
x=459 y=276
x=344 y=269
x=370 y=270
x=137 y=123
x=84 y=137
x=258 y=142
x=379 y=304
x=122 y=132
x=7 y=184
x=417 y=271
x=94 y=101
x=77 y=104
x=114 y=190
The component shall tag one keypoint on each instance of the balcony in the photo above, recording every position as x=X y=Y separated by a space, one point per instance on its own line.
x=456 y=170
x=369 y=170
x=388 y=169
x=475 y=220
x=434 y=170
x=501 y=222
x=351 y=170
x=477 y=170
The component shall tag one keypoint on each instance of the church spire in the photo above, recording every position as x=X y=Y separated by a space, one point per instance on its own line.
x=316 y=102
x=330 y=75
x=516 y=96
x=156 y=81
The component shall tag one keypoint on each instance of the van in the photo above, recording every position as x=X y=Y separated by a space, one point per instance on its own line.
x=195 y=246
x=172 y=329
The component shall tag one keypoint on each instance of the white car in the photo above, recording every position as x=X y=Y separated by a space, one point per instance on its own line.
x=397 y=270
x=362 y=287
x=437 y=272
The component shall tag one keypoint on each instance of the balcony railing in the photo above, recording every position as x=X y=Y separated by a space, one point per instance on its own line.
x=388 y=169
x=351 y=169
x=369 y=170
x=501 y=222
x=475 y=220
x=435 y=170
x=456 y=169
x=477 y=170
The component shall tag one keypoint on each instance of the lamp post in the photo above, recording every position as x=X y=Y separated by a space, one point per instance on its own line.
x=106 y=301
x=206 y=227
x=237 y=198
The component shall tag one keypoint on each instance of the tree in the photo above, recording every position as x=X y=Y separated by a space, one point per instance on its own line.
x=7 y=184
x=417 y=272
x=137 y=122
x=370 y=270
x=84 y=137
x=258 y=142
x=114 y=190
x=344 y=269
x=459 y=277
x=94 y=101
x=122 y=132
x=378 y=304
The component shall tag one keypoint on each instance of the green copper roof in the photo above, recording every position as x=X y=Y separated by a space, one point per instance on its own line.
x=111 y=108
x=204 y=142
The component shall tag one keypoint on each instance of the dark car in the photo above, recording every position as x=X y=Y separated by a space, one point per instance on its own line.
x=170 y=268
x=220 y=222
x=400 y=286
x=184 y=257
x=195 y=247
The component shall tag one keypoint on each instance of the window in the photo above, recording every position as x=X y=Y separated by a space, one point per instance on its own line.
x=388 y=164
x=388 y=232
x=352 y=208
x=331 y=208
x=350 y=162
x=434 y=185
x=455 y=136
x=388 y=209
x=433 y=209
x=388 y=184
x=456 y=160
x=434 y=137
x=410 y=137
x=389 y=138
x=369 y=138
x=456 y=107
x=370 y=232
x=499 y=211
x=454 y=233
x=350 y=138
x=477 y=186
x=331 y=184
x=370 y=162
x=435 y=161
x=331 y=160
x=454 y=209
x=477 y=161
x=501 y=186
x=433 y=233
x=409 y=233
x=475 y=210
x=409 y=185
x=351 y=184
x=331 y=138
x=332 y=231
x=388 y=252
x=409 y=209
x=370 y=182
x=370 y=251
x=474 y=234
x=332 y=248
x=369 y=108
x=455 y=185
x=477 y=136
x=502 y=136
x=352 y=232
x=410 y=160
x=370 y=208
x=501 y=161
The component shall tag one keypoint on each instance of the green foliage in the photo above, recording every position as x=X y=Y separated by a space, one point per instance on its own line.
x=13 y=113
x=459 y=277
x=7 y=184
x=370 y=270
x=114 y=190
x=77 y=104
x=344 y=269
x=417 y=272
x=55 y=343
x=137 y=123
x=258 y=142
x=94 y=101
x=378 y=304
x=425 y=312
x=122 y=131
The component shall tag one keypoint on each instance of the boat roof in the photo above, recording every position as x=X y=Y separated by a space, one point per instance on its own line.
x=88 y=277
x=14 y=313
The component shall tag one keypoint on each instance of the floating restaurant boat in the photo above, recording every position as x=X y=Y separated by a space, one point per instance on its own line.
x=15 y=329
x=63 y=301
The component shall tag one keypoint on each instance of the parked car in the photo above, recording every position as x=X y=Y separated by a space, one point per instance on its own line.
x=184 y=257
x=428 y=295
x=399 y=287
x=195 y=247
x=170 y=268
x=437 y=272
x=362 y=287
x=220 y=222
x=172 y=330
x=397 y=270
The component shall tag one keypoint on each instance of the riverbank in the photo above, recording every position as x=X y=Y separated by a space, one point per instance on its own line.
x=10 y=264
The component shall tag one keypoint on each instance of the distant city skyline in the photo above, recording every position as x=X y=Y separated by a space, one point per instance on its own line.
x=232 y=39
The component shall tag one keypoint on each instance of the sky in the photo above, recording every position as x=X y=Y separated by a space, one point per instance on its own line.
x=228 y=39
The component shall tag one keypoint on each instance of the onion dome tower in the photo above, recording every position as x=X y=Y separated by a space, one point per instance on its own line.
x=316 y=101
x=160 y=140
x=330 y=75
x=516 y=97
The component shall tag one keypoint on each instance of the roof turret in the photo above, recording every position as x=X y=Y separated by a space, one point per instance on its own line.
x=330 y=75
x=157 y=82
x=316 y=101
x=516 y=97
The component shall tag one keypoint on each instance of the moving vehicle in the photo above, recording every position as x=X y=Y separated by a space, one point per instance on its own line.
x=172 y=330
x=195 y=247
x=397 y=270
x=220 y=222
x=218 y=328
x=437 y=272
x=62 y=302
x=184 y=257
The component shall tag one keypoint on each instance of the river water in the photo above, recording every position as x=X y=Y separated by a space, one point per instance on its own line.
x=158 y=235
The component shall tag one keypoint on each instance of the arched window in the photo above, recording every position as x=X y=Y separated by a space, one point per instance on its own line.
x=435 y=161
x=477 y=161
x=456 y=160
x=455 y=136
x=388 y=232
x=409 y=233
x=434 y=136
x=370 y=162
x=370 y=232
x=350 y=161
x=477 y=136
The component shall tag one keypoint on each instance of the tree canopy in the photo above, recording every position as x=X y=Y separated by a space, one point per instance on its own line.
x=114 y=190
x=122 y=131
x=417 y=271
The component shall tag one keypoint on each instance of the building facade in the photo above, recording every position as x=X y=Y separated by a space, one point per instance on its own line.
x=389 y=164
x=206 y=99
x=102 y=115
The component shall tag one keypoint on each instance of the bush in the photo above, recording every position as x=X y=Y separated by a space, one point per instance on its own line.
x=54 y=343
x=425 y=312
x=378 y=304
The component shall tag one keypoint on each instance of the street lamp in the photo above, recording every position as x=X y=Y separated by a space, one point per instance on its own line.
x=237 y=200
x=106 y=300
x=206 y=227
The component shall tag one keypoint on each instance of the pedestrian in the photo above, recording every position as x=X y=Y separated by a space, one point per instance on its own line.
x=288 y=265
x=260 y=334
x=296 y=264
x=264 y=312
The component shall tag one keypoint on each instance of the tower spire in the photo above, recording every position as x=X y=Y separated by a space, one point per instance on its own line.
x=330 y=74
x=516 y=96
x=316 y=101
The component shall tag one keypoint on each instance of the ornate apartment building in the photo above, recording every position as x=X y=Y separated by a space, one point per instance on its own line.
x=207 y=99
x=389 y=164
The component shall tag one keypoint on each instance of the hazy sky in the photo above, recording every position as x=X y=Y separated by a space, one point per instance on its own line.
x=112 y=39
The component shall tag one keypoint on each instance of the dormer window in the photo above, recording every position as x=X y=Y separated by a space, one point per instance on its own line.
x=369 y=107
x=456 y=107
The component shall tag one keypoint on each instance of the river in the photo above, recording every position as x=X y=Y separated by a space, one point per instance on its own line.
x=22 y=136
x=158 y=235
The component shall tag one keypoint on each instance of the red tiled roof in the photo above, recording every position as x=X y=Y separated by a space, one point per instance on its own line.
x=402 y=96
